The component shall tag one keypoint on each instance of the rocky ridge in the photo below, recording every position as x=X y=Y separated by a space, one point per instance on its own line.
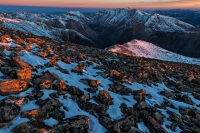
x=148 y=50
x=52 y=86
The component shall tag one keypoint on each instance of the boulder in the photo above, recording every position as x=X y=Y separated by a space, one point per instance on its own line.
x=78 y=70
x=79 y=124
x=5 y=39
x=33 y=126
x=61 y=86
x=43 y=54
x=135 y=131
x=30 y=114
x=24 y=74
x=52 y=63
x=142 y=105
x=19 y=41
x=12 y=86
x=8 y=111
x=158 y=117
x=140 y=95
x=45 y=81
x=2 y=53
x=114 y=73
x=68 y=60
x=104 y=97
x=94 y=83
x=187 y=99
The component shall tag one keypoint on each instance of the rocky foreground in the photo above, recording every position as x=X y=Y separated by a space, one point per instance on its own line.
x=56 y=87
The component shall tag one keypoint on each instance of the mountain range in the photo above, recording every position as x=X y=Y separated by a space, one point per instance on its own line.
x=188 y=16
x=106 y=28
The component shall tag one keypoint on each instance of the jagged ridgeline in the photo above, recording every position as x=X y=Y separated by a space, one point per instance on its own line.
x=110 y=27
x=51 y=86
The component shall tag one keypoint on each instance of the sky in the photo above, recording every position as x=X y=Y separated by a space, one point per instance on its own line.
x=139 y=4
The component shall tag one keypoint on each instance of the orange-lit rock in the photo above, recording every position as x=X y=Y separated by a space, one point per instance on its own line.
x=5 y=39
x=78 y=70
x=30 y=114
x=60 y=85
x=104 y=97
x=114 y=73
x=19 y=41
x=68 y=60
x=24 y=74
x=12 y=86
x=94 y=83
x=43 y=54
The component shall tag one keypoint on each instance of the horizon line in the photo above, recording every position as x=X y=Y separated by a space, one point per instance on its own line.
x=38 y=6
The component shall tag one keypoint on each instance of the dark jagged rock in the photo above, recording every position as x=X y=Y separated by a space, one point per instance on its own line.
x=75 y=124
x=34 y=126
x=8 y=112
x=187 y=99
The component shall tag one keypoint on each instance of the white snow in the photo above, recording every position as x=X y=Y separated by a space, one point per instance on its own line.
x=50 y=122
x=164 y=23
x=10 y=20
x=32 y=59
x=145 y=49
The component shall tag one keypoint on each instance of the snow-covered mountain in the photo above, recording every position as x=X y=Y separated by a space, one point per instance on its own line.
x=52 y=26
x=127 y=17
x=109 y=27
x=148 y=50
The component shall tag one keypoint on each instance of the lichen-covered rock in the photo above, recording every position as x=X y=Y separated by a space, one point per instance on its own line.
x=12 y=86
